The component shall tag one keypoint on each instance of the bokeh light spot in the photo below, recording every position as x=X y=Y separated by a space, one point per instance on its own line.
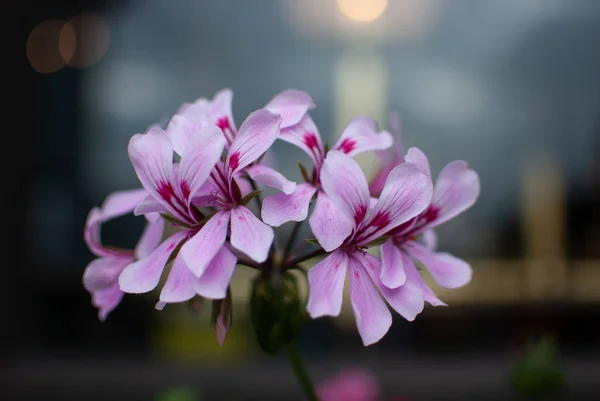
x=89 y=36
x=362 y=10
x=42 y=47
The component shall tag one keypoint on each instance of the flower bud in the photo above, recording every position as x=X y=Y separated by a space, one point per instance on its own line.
x=275 y=309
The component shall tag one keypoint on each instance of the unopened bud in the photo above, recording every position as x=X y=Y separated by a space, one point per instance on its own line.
x=275 y=309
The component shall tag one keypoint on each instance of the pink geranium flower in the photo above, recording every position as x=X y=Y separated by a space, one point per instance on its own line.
x=327 y=224
x=291 y=105
x=456 y=189
x=171 y=188
x=407 y=193
x=101 y=276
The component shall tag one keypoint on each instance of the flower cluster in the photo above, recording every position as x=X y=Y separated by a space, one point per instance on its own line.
x=199 y=175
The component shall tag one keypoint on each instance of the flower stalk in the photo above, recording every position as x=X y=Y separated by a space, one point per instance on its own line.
x=295 y=359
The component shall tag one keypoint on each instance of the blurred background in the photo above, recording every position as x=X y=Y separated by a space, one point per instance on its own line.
x=511 y=86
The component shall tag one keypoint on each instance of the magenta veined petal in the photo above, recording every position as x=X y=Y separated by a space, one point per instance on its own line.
x=326 y=285
x=291 y=105
x=448 y=271
x=281 y=208
x=329 y=224
x=407 y=299
x=143 y=275
x=344 y=183
x=200 y=156
x=269 y=177
x=373 y=318
x=305 y=135
x=407 y=193
x=255 y=137
x=179 y=286
x=361 y=135
x=216 y=278
x=201 y=248
x=250 y=235
x=456 y=189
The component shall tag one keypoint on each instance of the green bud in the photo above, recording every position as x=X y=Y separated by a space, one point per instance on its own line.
x=276 y=311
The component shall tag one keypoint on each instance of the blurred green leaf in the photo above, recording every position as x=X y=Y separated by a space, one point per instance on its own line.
x=178 y=394
x=538 y=373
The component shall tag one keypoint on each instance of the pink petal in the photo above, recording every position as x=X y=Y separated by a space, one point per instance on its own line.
x=281 y=208
x=350 y=385
x=107 y=300
x=305 y=135
x=344 y=183
x=447 y=270
x=372 y=315
x=150 y=238
x=413 y=275
x=219 y=111
x=200 y=249
x=456 y=189
x=329 y=224
x=207 y=194
x=143 y=276
x=149 y=206
x=430 y=239
x=214 y=281
x=216 y=111
x=200 y=156
x=250 y=235
x=222 y=323
x=179 y=286
x=255 y=136
x=103 y=273
x=407 y=299
x=122 y=202
x=291 y=105
x=416 y=156
x=115 y=205
x=152 y=157
x=326 y=285
x=182 y=128
x=270 y=178
x=392 y=270
x=406 y=194
x=361 y=135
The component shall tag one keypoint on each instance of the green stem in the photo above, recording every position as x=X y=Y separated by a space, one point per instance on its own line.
x=291 y=240
x=257 y=198
x=300 y=371
x=300 y=259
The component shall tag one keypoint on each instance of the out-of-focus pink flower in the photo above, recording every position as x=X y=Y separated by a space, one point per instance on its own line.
x=350 y=385
x=388 y=158
x=406 y=194
x=101 y=276
x=456 y=189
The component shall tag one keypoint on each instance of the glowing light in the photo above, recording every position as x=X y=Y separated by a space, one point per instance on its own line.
x=42 y=47
x=84 y=40
x=362 y=10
